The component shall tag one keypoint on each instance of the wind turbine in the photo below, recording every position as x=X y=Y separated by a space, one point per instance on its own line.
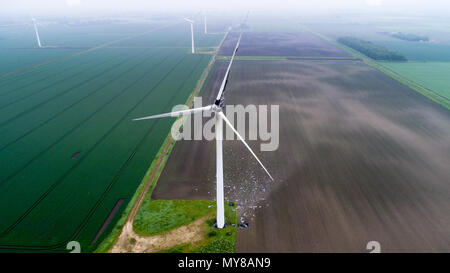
x=206 y=29
x=37 y=33
x=192 y=32
x=216 y=107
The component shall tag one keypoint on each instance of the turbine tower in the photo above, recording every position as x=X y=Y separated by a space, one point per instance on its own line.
x=206 y=29
x=192 y=32
x=216 y=107
x=37 y=33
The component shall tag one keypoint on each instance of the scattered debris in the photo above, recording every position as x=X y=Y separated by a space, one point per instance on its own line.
x=243 y=225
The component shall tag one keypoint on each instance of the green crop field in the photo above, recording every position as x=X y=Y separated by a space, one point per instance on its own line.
x=420 y=51
x=68 y=147
x=432 y=75
x=429 y=66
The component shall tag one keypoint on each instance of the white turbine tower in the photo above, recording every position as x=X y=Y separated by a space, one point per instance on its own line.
x=206 y=28
x=220 y=117
x=192 y=32
x=37 y=33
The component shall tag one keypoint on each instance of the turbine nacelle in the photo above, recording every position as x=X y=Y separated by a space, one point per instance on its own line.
x=216 y=108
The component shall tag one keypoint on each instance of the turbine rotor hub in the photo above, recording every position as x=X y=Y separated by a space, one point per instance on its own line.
x=216 y=108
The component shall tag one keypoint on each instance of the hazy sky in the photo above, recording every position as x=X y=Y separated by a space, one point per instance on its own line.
x=89 y=6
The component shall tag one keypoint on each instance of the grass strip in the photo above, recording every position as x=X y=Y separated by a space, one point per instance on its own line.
x=159 y=161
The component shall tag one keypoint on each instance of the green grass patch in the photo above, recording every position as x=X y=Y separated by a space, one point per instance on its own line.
x=177 y=249
x=158 y=216
x=220 y=240
x=215 y=240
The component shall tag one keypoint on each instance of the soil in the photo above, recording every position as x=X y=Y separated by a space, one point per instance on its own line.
x=299 y=44
x=361 y=158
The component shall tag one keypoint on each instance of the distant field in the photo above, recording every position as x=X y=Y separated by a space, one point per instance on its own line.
x=175 y=36
x=15 y=59
x=18 y=46
x=430 y=66
x=295 y=44
x=432 y=75
x=19 y=50
x=68 y=147
x=428 y=75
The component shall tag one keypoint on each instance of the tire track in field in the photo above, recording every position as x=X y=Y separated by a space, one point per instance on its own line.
x=86 y=51
x=52 y=84
x=64 y=92
x=79 y=124
x=95 y=66
x=23 y=69
x=59 y=181
x=127 y=162
x=44 y=74
x=43 y=78
x=27 y=73
x=76 y=102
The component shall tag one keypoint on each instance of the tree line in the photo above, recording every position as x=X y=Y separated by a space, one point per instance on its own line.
x=372 y=50
x=410 y=37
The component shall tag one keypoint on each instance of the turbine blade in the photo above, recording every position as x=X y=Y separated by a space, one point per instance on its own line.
x=225 y=78
x=36 y=32
x=245 y=143
x=177 y=113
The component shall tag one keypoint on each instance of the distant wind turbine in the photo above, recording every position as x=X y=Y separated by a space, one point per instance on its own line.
x=216 y=107
x=206 y=28
x=37 y=33
x=192 y=33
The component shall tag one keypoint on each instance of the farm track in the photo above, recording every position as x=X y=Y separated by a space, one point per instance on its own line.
x=151 y=178
x=78 y=125
x=127 y=162
x=61 y=179
x=155 y=169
